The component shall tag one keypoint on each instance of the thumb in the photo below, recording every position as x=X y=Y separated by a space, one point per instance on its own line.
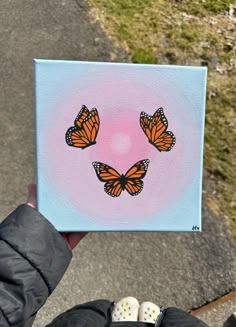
x=32 y=195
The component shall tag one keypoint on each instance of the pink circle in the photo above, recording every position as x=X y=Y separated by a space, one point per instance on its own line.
x=115 y=122
x=120 y=143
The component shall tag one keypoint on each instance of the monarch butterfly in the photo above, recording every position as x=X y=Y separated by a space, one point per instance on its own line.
x=85 y=131
x=155 y=128
x=115 y=183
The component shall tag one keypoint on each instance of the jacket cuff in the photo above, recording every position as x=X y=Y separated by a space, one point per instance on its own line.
x=36 y=239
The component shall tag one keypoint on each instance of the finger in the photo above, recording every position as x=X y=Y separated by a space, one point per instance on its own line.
x=74 y=238
x=32 y=189
x=32 y=195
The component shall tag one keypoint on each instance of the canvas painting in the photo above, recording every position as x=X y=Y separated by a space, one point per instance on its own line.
x=119 y=147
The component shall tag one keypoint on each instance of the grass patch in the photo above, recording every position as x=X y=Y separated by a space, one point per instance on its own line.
x=188 y=32
x=203 y=7
x=142 y=56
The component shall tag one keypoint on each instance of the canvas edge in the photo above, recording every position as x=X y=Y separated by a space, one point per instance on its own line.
x=35 y=62
x=205 y=71
x=85 y=62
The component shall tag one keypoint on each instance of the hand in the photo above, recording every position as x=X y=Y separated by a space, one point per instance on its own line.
x=72 y=239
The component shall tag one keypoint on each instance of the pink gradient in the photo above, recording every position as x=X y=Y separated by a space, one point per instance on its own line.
x=119 y=105
x=120 y=143
x=115 y=123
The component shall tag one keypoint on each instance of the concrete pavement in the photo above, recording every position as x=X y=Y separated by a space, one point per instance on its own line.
x=186 y=270
x=216 y=314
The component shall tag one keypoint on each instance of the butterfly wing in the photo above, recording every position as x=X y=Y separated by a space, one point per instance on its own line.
x=113 y=188
x=77 y=137
x=134 y=184
x=165 y=141
x=138 y=170
x=104 y=172
x=91 y=126
x=110 y=176
x=159 y=124
x=145 y=123
x=82 y=115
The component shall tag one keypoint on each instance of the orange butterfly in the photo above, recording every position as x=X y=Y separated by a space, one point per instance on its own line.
x=155 y=128
x=85 y=131
x=115 y=183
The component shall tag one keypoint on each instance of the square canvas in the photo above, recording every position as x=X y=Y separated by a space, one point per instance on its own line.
x=119 y=147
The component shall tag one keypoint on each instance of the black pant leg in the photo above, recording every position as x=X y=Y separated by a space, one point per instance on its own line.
x=91 y=314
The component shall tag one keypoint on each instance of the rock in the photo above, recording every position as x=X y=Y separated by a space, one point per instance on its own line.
x=211 y=62
x=232 y=11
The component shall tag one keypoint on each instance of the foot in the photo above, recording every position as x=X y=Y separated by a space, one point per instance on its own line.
x=148 y=312
x=126 y=309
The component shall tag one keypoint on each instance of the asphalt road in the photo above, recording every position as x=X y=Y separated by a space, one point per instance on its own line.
x=182 y=269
